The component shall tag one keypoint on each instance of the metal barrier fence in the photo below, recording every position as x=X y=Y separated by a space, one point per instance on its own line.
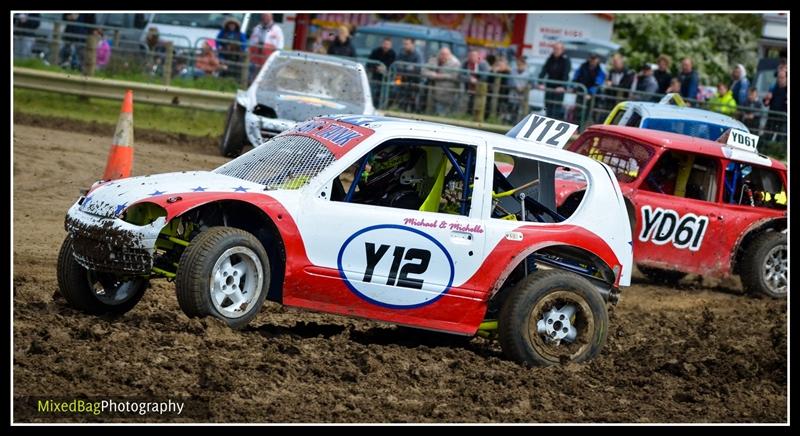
x=481 y=97
x=770 y=126
x=455 y=93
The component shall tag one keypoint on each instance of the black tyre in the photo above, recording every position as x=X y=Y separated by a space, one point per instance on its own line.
x=764 y=266
x=662 y=276
x=224 y=272
x=553 y=317
x=234 y=138
x=94 y=292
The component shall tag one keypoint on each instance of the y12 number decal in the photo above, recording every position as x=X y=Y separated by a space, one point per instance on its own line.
x=661 y=226
x=395 y=266
x=374 y=256
x=545 y=130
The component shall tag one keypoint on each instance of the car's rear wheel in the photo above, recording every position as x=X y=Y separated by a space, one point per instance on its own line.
x=224 y=272
x=764 y=266
x=553 y=317
x=95 y=292
x=662 y=276
x=234 y=138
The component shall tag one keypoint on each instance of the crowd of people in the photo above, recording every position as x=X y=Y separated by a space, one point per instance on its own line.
x=454 y=83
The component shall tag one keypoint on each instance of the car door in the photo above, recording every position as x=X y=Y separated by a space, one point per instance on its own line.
x=390 y=263
x=678 y=224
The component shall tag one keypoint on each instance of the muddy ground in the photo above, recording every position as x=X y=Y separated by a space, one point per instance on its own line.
x=693 y=354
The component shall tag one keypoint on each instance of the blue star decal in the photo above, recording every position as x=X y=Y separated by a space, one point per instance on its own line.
x=120 y=207
x=157 y=192
x=199 y=189
x=240 y=189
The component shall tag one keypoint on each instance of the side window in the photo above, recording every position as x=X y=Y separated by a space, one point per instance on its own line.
x=524 y=189
x=634 y=120
x=411 y=174
x=684 y=175
x=755 y=186
x=618 y=116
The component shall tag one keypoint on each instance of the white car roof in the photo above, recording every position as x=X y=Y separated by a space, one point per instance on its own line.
x=668 y=111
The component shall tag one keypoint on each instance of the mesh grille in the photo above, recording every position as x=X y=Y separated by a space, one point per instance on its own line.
x=285 y=162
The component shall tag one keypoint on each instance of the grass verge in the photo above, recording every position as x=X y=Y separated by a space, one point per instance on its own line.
x=148 y=116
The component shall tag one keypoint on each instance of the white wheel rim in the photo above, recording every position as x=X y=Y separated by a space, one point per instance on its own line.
x=236 y=281
x=774 y=269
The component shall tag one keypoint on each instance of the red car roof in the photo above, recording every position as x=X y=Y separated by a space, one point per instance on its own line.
x=672 y=141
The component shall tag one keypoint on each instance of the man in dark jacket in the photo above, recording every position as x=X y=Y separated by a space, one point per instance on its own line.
x=590 y=74
x=689 y=79
x=408 y=75
x=776 y=100
x=74 y=37
x=556 y=67
x=383 y=58
x=24 y=35
x=662 y=74
x=342 y=44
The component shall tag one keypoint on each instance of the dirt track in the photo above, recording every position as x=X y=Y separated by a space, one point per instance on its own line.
x=693 y=354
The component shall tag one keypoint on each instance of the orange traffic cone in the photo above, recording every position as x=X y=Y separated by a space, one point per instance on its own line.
x=120 y=159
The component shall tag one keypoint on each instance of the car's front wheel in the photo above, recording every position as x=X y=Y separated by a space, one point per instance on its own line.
x=553 y=317
x=765 y=265
x=234 y=138
x=224 y=272
x=95 y=292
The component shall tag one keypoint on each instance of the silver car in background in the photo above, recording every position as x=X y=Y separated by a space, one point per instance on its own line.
x=293 y=87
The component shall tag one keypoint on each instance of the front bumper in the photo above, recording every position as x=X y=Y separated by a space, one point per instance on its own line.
x=259 y=129
x=112 y=245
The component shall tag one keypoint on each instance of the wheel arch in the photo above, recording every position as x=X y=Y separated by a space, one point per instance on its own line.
x=750 y=234
x=250 y=218
x=578 y=254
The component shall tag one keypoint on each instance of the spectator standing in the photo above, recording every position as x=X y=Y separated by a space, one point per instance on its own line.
x=25 y=38
x=384 y=56
x=442 y=83
x=556 y=67
x=75 y=32
x=102 y=51
x=590 y=74
x=690 y=81
x=776 y=100
x=521 y=84
x=476 y=70
x=207 y=63
x=231 y=43
x=739 y=84
x=318 y=46
x=646 y=82
x=619 y=76
x=342 y=45
x=662 y=74
x=752 y=110
x=408 y=75
x=723 y=102
x=265 y=38
x=502 y=67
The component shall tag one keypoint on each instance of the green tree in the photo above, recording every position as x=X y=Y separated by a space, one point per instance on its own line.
x=714 y=42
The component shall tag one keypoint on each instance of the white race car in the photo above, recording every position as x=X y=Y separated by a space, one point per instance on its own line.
x=292 y=87
x=394 y=220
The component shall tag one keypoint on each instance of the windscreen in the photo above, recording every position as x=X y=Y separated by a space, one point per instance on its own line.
x=284 y=162
x=316 y=79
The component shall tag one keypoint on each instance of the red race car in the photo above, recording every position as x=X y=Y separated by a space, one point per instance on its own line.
x=713 y=208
